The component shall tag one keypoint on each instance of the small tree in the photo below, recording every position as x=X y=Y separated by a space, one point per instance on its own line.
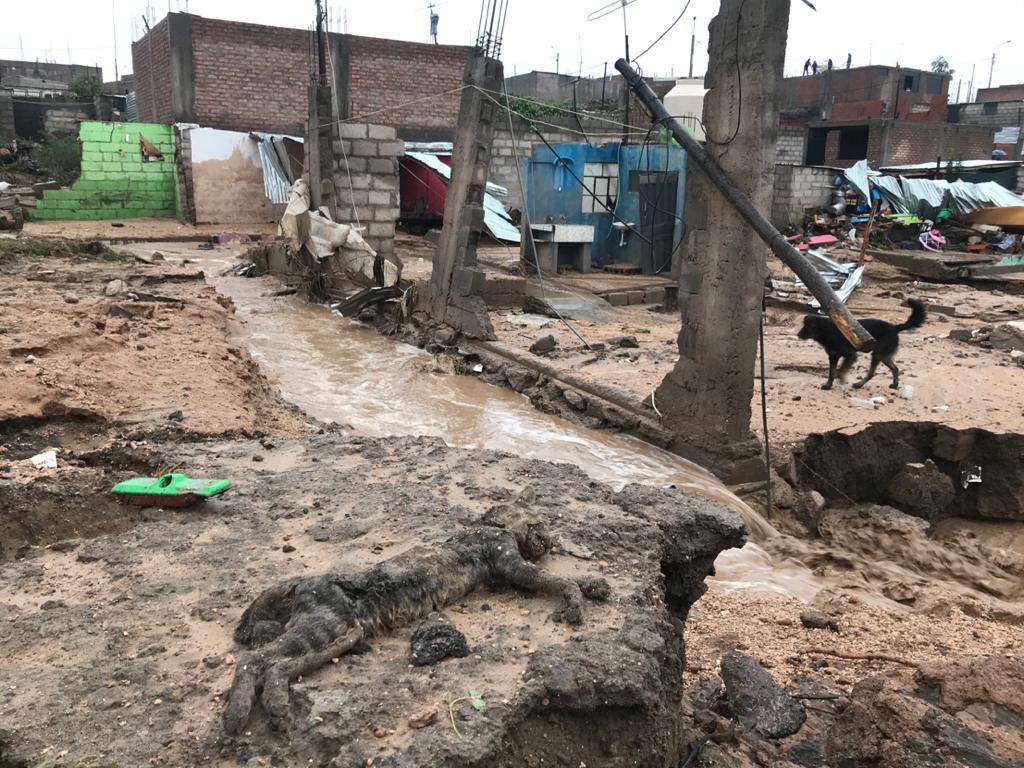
x=87 y=86
x=941 y=66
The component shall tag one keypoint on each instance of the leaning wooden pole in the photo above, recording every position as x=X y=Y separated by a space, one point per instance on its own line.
x=790 y=256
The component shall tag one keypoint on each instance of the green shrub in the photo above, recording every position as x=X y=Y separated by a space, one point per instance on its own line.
x=87 y=86
x=58 y=155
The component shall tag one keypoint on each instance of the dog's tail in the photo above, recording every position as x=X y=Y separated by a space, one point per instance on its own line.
x=917 y=316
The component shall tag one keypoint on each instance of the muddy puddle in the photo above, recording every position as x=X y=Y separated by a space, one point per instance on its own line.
x=337 y=370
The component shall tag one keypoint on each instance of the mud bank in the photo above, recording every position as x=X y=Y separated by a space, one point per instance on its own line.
x=120 y=645
x=927 y=469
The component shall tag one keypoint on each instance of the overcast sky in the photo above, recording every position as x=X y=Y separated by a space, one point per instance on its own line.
x=910 y=32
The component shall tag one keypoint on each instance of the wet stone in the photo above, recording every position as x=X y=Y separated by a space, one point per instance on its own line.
x=757 y=700
x=544 y=345
x=434 y=641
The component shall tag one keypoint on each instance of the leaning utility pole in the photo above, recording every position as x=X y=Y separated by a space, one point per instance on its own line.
x=705 y=401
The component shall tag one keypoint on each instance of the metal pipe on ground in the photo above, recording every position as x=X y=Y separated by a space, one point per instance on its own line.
x=822 y=291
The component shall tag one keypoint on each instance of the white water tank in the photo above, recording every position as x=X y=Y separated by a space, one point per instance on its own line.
x=686 y=101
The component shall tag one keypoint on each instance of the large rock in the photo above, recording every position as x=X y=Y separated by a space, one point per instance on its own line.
x=921 y=489
x=757 y=700
x=860 y=465
x=963 y=714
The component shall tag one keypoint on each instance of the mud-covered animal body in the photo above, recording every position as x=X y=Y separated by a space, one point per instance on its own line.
x=300 y=624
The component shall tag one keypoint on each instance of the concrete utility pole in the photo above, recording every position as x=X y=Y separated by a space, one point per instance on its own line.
x=456 y=280
x=705 y=400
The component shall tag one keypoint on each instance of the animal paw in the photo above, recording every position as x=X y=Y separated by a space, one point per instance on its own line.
x=894 y=386
x=594 y=588
x=827 y=386
x=859 y=384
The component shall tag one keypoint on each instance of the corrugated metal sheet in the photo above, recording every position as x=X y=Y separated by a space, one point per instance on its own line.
x=276 y=181
x=925 y=196
x=1007 y=135
x=131 y=109
x=496 y=219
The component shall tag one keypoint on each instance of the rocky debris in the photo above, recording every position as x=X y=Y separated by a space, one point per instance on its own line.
x=534 y=306
x=71 y=298
x=625 y=342
x=962 y=714
x=860 y=465
x=962 y=310
x=115 y=288
x=818 y=620
x=756 y=700
x=922 y=489
x=545 y=345
x=426 y=716
x=1005 y=336
x=436 y=640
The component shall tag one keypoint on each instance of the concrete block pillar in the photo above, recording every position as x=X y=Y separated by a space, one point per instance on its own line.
x=456 y=280
x=706 y=399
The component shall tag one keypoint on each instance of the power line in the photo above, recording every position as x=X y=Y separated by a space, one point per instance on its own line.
x=670 y=26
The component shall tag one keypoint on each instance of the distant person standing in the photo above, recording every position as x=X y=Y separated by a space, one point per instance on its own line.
x=807 y=67
x=830 y=65
x=849 y=60
x=814 y=67
x=434 y=18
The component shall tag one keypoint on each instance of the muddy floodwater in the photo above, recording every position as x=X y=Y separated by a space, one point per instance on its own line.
x=337 y=370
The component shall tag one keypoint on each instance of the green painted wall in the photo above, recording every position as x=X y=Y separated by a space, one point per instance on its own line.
x=115 y=183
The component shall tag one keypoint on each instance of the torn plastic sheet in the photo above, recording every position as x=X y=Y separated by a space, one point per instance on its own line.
x=323 y=237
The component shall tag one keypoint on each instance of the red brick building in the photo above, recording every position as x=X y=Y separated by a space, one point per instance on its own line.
x=250 y=77
x=887 y=115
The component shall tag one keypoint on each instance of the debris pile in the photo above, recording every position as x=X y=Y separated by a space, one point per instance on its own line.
x=932 y=228
x=14 y=200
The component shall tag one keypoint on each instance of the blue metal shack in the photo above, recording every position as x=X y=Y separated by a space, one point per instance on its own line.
x=643 y=185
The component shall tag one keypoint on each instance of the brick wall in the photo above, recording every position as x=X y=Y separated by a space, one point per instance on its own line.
x=502 y=170
x=913 y=142
x=797 y=187
x=115 y=183
x=1000 y=93
x=366 y=181
x=386 y=75
x=250 y=77
x=999 y=114
x=790 y=146
x=151 y=60
x=6 y=116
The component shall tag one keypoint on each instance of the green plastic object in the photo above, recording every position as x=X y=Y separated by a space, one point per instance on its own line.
x=169 y=490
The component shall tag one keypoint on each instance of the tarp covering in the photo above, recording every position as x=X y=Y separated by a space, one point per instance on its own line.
x=925 y=196
x=498 y=223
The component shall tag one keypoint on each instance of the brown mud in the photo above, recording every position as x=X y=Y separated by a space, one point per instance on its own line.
x=115 y=623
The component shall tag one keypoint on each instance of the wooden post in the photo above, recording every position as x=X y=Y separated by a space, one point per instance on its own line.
x=867 y=232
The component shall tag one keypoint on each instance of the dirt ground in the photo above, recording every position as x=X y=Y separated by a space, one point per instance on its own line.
x=115 y=622
x=952 y=382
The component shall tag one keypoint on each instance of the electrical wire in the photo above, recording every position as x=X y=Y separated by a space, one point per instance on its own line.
x=670 y=27
x=739 y=87
x=528 y=232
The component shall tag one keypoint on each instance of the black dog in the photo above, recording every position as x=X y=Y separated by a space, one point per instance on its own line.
x=887 y=337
